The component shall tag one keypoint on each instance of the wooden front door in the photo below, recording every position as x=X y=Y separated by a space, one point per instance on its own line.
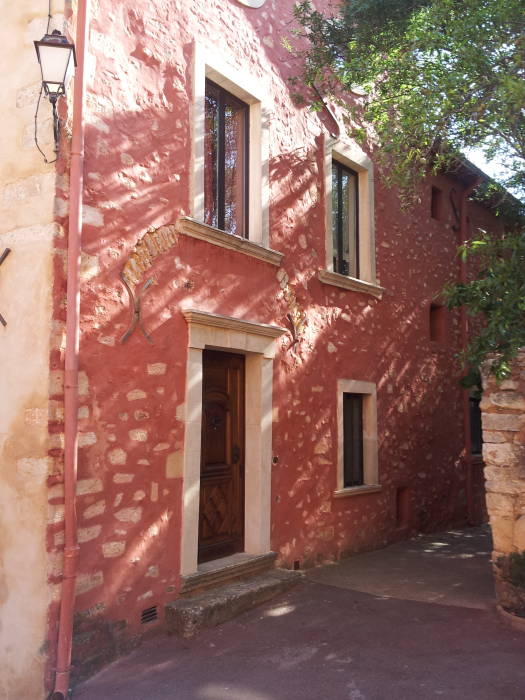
x=221 y=509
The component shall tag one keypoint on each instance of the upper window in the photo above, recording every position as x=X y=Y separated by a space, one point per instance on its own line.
x=225 y=161
x=349 y=204
x=345 y=240
x=230 y=152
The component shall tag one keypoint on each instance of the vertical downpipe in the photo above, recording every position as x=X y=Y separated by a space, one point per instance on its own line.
x=65 y=630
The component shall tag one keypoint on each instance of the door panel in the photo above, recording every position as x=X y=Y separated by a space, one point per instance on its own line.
x=221 y=510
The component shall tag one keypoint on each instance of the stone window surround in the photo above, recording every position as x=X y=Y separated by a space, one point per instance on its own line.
x=354 y=158
x=256 y=341
x=249 y=89
x=370 y=442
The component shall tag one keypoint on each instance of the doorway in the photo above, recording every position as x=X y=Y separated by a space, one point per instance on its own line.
x=222 y=490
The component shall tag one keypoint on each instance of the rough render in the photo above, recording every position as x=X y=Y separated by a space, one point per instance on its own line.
x=28 y=228
x=137 y=184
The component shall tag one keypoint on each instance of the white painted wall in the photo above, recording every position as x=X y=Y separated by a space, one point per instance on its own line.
x=27 y=187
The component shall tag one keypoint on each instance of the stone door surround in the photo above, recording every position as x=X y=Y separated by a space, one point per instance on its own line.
x=256 y=341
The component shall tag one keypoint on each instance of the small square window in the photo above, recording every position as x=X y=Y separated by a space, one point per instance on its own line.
x=352 y=440
x=436 y=203
x=357 y=470
x=345 y=239
x=437 y=323
x=225 y=161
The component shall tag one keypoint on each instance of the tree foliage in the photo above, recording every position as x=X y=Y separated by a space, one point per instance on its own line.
x=434 y=78
x=440 y=76
x=497 y=295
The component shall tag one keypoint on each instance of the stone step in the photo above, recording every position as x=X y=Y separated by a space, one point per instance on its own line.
x=226 y=570
x=188 y=616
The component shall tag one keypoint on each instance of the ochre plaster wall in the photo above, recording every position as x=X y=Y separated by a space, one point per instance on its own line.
x=138 y=175
x=27 y=187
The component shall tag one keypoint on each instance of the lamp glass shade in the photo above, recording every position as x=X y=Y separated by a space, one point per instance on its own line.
x=56 y=57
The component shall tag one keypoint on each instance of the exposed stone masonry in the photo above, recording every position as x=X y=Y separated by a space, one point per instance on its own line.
x=503 y=408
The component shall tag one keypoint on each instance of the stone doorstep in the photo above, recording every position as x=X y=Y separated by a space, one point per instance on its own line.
x=226 y=570
x=188 y=616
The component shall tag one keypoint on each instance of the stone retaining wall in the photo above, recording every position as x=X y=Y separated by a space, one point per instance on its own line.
x=503 y=408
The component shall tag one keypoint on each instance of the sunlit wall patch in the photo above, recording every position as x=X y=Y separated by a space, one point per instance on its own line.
x=252 y=3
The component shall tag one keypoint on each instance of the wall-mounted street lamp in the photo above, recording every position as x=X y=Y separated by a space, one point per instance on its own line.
x=57 y=59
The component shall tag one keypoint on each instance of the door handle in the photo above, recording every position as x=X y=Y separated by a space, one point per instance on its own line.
x=236 y=454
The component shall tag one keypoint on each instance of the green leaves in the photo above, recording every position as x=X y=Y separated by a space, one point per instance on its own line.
x=437 y=72
x=496 y=297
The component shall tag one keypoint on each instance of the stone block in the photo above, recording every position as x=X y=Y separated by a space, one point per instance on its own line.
x=83 y=384
x=85 y=534
x=502 y=455
x=493 y=436
x=501 y=504
x=157 y=368
x=519 y=534
x=117 y=456
x=135 y=395
x=129 y=515
x=113 y=549
x=86 y=582
x=123 y=478
x=501 y=421
x=87 y=486
x=56 y=382
x=55 y=514
x=95 y=509
x=508 y=399
x=92 y=216
x=86 y=439
x=502 y=533
x=89 y=267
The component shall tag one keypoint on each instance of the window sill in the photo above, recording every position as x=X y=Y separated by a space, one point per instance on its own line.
x=357 y=490
x=350 y=283
x=196 y=229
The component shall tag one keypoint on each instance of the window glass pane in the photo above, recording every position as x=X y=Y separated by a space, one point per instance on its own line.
x=211 y=142
x=225 y=161
x=353 y=440
x=335 y=217
x=344 y=220
x=234 y=135
x=345 y=214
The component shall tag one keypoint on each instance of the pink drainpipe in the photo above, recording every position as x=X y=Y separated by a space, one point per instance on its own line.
x=462 y=278
x=65 y=630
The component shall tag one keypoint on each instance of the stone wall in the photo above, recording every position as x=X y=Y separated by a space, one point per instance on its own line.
x=503 y=408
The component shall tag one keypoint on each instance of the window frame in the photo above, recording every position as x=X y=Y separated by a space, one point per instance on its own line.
x=253 y=91
x=224 y=96
x=353 y=158
x=368 y=391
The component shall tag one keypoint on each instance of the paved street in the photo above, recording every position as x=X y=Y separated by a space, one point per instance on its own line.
x=411 y=622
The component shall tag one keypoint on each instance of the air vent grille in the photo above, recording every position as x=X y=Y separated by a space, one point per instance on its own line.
x=149 y=615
